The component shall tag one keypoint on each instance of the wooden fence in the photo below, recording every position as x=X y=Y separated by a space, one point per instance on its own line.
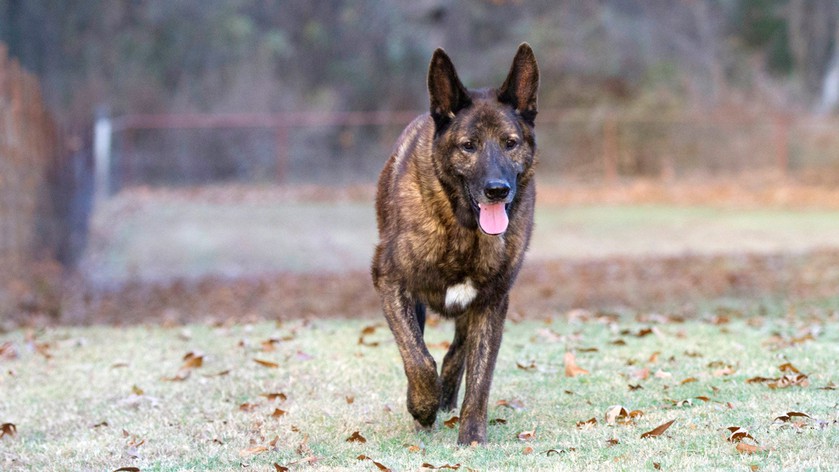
x=28 y=148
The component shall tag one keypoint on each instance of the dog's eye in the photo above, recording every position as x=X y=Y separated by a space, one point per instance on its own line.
x=510 y=143
x=468 y=146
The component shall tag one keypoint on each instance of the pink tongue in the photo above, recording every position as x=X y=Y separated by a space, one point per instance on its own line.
x=493 y=218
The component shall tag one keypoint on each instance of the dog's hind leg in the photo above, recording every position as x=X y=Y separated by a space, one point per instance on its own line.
x=420 y=368
x=419 y=309
x=451 y=373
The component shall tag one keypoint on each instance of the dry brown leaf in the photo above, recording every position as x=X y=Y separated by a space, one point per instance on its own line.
x=632 y=388
x=613 y=442
x=8 y=429
x=688 y=380
x=788 y=367
x=498 y=421
x=253 y=451
x=274 y=396
x=451 y=422
x=747 y=448
x=618 y=342
x=278 y=413
x=368 y=330
x=617 y=414
x=413 y=448
x=527 y=450
x=180 y=376
x=127 y=469
x=426 y=465
x=192 y=360
x=349 y=399
x=356 y=437
x=527 y=366
x=571 y=367
x=738 y=434
x=247 y=406
x=264 y=363
x=280 y=468
x=514 y=404
x=380 y=466
x=658 y=430
x=587 y=423
x=527 y=435
x=654 y=357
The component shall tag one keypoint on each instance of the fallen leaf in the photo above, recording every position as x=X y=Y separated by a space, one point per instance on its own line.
x=498 y=421
x=8 y=429
x=451 y=422
x=253 y=451
x=656 y=465
x=274 y=396
x=529 y=366
x=747 y=448
x=247 y=406
x=514 y=404
x=127 y=469
x=738 y=434
x=587 y=423
x=368 y=330
x=277 y=413
x=654 y=357
x=632 y=388
x=613 y=442
x=426 y=465
x=356 y=437
x=264 y=363
x=280 y=468
x=180 y=376
x=527 y=435
x=788 y=367
x=350 y=399
x=571 y=367
x=617 y=414
x=658 y=430
x=381 y=466
x=688 y=380
x=618 y=342
x=192 y=360
x=527 y=450
x=413 y=448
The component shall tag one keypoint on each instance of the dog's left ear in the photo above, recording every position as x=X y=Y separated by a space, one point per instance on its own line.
x=519 y=90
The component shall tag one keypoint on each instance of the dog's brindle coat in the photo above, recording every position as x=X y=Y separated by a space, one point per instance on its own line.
x=473 y=153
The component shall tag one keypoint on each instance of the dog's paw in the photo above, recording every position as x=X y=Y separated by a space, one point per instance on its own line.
x=420 y=428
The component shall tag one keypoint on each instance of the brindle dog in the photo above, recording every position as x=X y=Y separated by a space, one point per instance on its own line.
x=455 y=213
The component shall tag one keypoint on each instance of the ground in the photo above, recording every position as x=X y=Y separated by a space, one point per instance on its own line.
x=712 y=307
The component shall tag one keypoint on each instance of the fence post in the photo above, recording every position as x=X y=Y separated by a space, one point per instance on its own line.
x=610 y=149
x=282 y=149
x=782 y=125
x=102 y=156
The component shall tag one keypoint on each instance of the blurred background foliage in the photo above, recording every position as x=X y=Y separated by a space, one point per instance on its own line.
x=233 y=55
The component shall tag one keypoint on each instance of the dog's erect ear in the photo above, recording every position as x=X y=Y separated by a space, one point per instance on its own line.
x=519 y=90
x=448 y=95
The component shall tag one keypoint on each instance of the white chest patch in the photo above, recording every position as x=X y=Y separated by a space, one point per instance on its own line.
x=461 y=295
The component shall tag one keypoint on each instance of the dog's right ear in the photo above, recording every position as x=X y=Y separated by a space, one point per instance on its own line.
x=448 y=95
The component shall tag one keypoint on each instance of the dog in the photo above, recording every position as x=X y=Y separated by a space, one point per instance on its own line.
x=454 y=207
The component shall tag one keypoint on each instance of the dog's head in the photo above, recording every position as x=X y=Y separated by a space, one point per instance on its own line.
x=484 y=145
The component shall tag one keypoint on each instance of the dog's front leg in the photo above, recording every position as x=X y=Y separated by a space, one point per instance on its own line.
x=482 y=343
x=420 y=368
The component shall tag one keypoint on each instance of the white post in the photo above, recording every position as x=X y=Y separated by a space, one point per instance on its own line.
x=102 y=156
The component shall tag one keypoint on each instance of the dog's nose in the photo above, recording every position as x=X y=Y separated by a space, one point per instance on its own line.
x=497 y=189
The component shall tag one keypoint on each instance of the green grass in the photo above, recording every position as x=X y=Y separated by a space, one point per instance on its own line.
x=163 y=238
x=76 y=411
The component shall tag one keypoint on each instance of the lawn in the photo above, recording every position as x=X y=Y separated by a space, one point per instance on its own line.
x=103 y=398
x=165 y=236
